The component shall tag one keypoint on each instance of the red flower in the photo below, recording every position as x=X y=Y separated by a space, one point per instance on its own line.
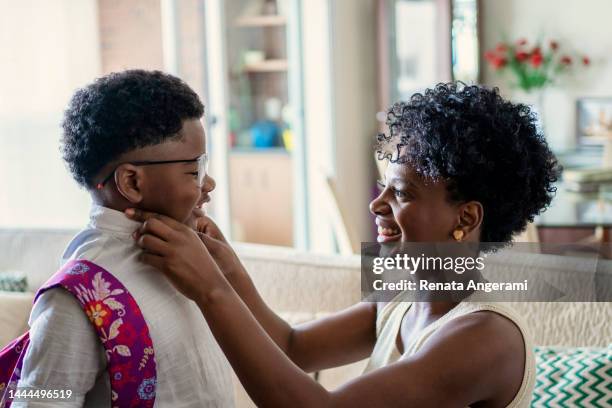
x=499 y=63
x=501 y=47
x=586 y=60
x=496 y=60
x=536 y=60
x=521 y=42
x=554 y=45
x=521 y=56
x=490 y=55
x=566 y=60
x=126 y=334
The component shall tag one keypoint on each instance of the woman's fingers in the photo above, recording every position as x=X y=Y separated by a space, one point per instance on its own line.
x=156 y=227
x=223 y=255
x=153 y=244
x=155 y=261
x=144 y=216
x=212 y=244
x=207 y=226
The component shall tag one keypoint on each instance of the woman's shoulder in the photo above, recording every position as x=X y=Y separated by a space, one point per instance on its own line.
x=481 y=318
x=484 y=320
x=486 y=340
x=495 y=313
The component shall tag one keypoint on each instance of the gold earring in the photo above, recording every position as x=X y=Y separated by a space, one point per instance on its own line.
x=458 y=235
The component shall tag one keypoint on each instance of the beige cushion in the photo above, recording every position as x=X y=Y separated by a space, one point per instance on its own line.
x=568 y=324
x=15 y=307
x=36 y=253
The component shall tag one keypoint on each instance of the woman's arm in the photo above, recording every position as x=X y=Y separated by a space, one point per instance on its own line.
x=453 y=368
x=466 y=362
x=342 y=338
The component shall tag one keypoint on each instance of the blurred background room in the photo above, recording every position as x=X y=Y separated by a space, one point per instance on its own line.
x=295 y=92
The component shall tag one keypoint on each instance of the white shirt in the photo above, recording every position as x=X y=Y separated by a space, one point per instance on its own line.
x=65 y=352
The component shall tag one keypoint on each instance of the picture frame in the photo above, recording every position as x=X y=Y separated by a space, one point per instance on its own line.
x=594 y=120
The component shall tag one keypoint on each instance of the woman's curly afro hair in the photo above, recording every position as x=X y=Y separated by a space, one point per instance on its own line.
x=485 y=148
x=121 y=112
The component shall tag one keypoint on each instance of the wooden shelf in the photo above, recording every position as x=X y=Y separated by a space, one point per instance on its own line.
x=272 y=65
x=261 y=21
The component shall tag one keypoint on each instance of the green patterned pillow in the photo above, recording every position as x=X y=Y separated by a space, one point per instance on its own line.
x=13 y=282
x=573 y=377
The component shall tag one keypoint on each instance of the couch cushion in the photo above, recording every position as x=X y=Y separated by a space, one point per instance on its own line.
x=568 y=324
x=570 y=377
x=15 y=309
x=34 y=252
x=291 y=281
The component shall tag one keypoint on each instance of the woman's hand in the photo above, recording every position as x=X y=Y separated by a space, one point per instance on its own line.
x=178 y=251
x=221 y=251
x=212 y=237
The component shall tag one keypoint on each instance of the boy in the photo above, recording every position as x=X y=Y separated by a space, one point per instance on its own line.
x=133 y=139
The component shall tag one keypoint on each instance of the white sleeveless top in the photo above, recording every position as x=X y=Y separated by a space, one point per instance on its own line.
x=389 y=319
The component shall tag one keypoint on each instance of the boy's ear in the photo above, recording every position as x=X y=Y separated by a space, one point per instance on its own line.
x=129 y=181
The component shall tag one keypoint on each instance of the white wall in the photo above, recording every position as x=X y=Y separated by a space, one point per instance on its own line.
x=355 y=106
x=318 y=122
x=47 y=50
x=583 y=25
x=340 y=98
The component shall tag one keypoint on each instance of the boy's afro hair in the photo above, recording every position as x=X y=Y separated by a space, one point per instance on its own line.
x=121 y=112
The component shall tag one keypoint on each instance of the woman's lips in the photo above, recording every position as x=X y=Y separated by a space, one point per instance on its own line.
x=387 y=234
x=387 y=238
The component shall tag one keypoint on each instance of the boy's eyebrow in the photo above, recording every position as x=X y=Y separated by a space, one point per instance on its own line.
x=188 y=161
x=184 y=161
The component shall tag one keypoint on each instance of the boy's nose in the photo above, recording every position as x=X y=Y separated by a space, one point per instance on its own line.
x=209 y=184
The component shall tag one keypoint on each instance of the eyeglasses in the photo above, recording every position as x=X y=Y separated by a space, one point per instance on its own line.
x=202 y=162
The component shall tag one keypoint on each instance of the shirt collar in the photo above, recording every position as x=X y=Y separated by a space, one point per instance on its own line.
x=112 y=221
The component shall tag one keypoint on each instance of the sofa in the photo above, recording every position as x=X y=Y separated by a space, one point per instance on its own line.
x=300 y=287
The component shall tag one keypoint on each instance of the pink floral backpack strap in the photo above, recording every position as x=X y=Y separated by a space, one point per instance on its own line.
x=11 y=360
x=121 y=327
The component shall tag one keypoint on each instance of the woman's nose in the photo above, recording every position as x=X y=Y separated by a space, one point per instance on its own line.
x=379 y=205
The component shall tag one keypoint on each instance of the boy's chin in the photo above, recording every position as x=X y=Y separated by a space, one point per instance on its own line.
x=195 y=214
x=198 y=213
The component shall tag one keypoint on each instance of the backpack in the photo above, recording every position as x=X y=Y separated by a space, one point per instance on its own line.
x=120 y=326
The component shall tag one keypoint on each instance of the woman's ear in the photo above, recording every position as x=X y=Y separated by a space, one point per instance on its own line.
x=129 y=181
x=470 y=217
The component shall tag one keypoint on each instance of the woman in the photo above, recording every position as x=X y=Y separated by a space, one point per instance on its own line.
x=466 y=166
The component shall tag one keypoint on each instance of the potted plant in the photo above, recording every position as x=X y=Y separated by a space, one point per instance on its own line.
x=533 y=66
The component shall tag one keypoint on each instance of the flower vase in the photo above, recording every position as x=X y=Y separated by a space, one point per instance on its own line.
x=535 y=100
